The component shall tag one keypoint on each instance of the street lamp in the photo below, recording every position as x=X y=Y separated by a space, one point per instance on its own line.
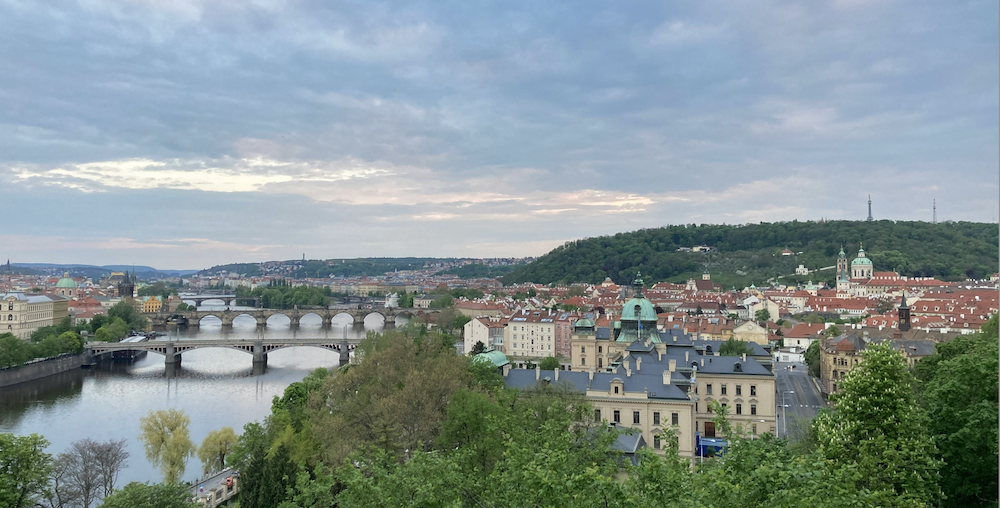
x=784 y=413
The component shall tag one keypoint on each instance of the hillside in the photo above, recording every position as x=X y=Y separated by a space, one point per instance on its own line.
x=751 y=253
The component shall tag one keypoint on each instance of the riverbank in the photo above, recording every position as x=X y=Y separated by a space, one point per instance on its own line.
x=40 y=369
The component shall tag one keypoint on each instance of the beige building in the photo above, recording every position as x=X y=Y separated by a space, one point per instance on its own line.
x=22 y=314
x=489 y=331
x=751 y=332
x=531 y=334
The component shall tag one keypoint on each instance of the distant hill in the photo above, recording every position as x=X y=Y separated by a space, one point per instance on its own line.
x=745 y=254
x=324 y=268
x=94 y=271
x=479 y=271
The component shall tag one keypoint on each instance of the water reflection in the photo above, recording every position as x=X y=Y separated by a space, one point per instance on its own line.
x=214 y=386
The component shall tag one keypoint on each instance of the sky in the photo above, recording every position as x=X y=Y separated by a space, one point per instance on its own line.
x=182 y=134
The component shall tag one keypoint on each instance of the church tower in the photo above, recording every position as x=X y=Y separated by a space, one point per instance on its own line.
x=843 y=275
x=904 y=315
x=126 y=289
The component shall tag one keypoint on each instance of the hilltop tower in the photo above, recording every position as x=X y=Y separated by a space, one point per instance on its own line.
x=934 y=216
x=869 y=219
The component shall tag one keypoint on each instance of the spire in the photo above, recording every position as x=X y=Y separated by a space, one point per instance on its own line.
x=638 y=284
x=870 y=208
x=904 y=305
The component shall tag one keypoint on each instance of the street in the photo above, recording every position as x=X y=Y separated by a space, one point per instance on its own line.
x=804 y=403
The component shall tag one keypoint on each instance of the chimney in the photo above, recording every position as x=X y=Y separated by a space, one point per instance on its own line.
x=590 y=374
x=638 y=364
x=626 y=364
x=666 y=377
x=538 y=372
x=702 y=362
x=659 y=356
x=744 y=357
x=672 y=365
x=687 y=356
x=557 y=373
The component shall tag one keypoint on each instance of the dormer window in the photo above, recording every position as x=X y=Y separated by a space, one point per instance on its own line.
x=616 y=388
x=737 y=367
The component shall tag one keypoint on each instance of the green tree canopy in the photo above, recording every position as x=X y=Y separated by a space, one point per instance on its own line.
x=24 y=470
x=878 y=427
x=158 y=495
x=216 y=446
x=164 y=435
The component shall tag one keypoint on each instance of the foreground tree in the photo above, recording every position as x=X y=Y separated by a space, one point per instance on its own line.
x=160 y=495
x=24 y=470
x=812 y=358
x=959 y=389
x=216 y=446
x=878 y=428
x=167 y=443
x=86 y=472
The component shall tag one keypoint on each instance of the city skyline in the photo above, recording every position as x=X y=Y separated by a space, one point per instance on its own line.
x=195 y=133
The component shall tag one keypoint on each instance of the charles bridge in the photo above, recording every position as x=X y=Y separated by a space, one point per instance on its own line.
x=160 y=320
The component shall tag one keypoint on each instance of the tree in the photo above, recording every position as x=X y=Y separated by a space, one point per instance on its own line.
x=215 y=447
x=86 y=472
x=549 y=363
x=734 y=347
x=478 y=348
x=958 y=387
x=127 y=313
x=832 y=331
x=762 y=315
x=24 y=470
x=166 y=441
x=184 y=307
x=812 y=358
x=879 y=428
x=160 y=495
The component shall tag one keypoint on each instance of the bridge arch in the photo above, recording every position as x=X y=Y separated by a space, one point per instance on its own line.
x=339 y=316
x=311 y=318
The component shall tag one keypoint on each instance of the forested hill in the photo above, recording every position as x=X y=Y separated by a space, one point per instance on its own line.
x=751 y=253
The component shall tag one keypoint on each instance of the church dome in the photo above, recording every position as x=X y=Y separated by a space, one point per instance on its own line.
x=861 y=259
x=66 y=282
x=646 y=311
x=584 y=323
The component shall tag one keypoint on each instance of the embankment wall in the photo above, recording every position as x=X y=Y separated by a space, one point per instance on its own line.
x=40 y=369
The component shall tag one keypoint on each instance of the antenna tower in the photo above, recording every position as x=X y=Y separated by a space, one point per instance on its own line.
x=870 y=208
x=934 y=218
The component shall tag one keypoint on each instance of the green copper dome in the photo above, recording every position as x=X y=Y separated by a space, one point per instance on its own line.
x=861 y=259
x=645 y=308
x=584 y=323
x=66 y=282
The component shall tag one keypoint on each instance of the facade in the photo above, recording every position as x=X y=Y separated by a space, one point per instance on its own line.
x=751 y=332
x=150 y=304
x=23 y=314
x=489 y=331
x=531 y=333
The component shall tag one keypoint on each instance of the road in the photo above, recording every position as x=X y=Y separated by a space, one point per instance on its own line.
x=209 y=484
x=801 y=405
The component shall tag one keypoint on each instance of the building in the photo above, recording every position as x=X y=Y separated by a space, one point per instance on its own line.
x=488 y=330
x=651 y=381
x=861 y=267
x=150 y=304
x=23 y=314
x=531 y=333
x=67 y=287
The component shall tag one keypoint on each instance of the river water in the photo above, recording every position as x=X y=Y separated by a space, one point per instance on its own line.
x=214 y=387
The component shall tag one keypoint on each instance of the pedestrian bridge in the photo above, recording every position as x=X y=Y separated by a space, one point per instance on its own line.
x=258 y=348
x=161 y=319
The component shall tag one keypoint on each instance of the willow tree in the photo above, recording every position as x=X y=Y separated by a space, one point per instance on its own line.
x=215 y=447
x=166 y=441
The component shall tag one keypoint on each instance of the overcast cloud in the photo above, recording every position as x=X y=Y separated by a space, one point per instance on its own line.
x=186 y=133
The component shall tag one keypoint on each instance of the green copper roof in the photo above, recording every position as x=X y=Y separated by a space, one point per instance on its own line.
x=646 y=310
x=497 y=358
x=585 y=323
x=66 y=282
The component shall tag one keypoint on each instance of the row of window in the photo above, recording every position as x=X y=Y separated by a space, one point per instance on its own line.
x=617 y=417
x=739 y=408
x=723 y=389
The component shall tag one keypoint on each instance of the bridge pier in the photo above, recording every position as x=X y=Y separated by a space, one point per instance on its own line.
x=171 y=358
x=259 y=359
x=390 y=324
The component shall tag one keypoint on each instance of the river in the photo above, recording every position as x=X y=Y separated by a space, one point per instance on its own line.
x=214 y=387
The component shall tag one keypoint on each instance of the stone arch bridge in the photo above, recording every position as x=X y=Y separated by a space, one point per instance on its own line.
x=194 y=317
x=172 y=351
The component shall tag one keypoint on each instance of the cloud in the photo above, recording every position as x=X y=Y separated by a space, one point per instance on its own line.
x=391 y=128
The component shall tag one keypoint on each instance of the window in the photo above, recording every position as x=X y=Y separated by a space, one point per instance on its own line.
x=635 y=417
x=618 y=416
x=753 y=428
x=616 y=389
x=583 y=361
x=724 y=404
x=600 y=349
x=753 y=409
x=722 y=390
x=597 y=415
x=656 y=418
x=656 y=442
x=695 y=407
x=674 y=417
x=708 y=389
x=753 y=390
x=583 y=350
x=739 y=389
x=739 y=408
